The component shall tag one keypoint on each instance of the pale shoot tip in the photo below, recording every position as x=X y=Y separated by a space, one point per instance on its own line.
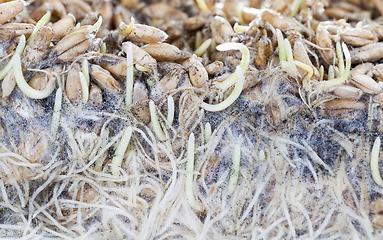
x=155 y=123
x=120 y=151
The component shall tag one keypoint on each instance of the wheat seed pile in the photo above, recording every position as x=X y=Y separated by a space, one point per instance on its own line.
x=191 y=119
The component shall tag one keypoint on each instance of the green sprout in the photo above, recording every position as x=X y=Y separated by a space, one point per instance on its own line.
x=120 y=151
x=19 y=50
x=189 y=173
x=24 y=86
x=56 y=112
x=129 y=76
x=103 y=48
x=281 y=46
x=325 y=85
x=295 y=7
x=44 y=20
x=203 y=47
x=84 y=87
x=234 y=172
x=287 y=61
x=155 y=123
x=231 y=98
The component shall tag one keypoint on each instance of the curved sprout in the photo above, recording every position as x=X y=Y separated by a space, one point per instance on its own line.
x=331 y=83
x=19 y=50
x=24 y=86
x=310 y=71
x=374 y=164
x=120 y=151
x=56 y=112
x=230 y=99
x=234 y=172
x=240 y=28
x=287 y=59
x=96 y=26
x=44 y=20
x=223 y=86
x=155 y=123
x=84 y=87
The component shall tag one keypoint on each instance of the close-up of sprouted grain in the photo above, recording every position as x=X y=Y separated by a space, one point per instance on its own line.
x=191 y=119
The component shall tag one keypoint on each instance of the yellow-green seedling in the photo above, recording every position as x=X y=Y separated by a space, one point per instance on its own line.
x=198 y=40
x=231 y=80
x=234 y=172
x=374 y=163
x=231 y=98
x=44 y=20
x=325 y=85
x=120 y=151
x=56 y=112
x=85 y=70
x=189 y=173
x=287 y=61
x=19 y=50
x=24 y=86
x=202 y=5
x=155 y=123
x=103 y=48
x=203 y=47
x=84 y=87
x=281 y=46
x=170 y=117
x=295 y=7
x=129 y=77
